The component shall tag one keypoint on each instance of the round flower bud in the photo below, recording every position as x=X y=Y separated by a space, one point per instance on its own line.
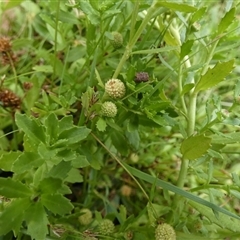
x=117 y=41
x=86 y=216
x=115 y=88
x=165 y=232
x=109 y=109
x=106 y=227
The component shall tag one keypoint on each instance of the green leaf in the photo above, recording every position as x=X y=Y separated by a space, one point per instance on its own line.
x=37 y=221
x=61 y=170
x=68 y=17
x=119 y=141
x=11 y=4
x=52 y=128
x=13 y=189
x=222 y=220
x=186 y=48
x=133 y=138
x=226 y=138
x=30 y=128
x=165 y=185
x=13 y=215
x=101 y=125
x=75 y=134
x=91 y=13
x=195 y=146
x=56 y=203
x=74 y=176
x=50 y=185
x=39 y=174
x=198 y=14
x=43 y=68
x=187 y=88
x=46 y=152
x=214 y=75
x=226 y=21
x=80 y=161
x=26 y=162
x=7 y=159
x=177 y=6
x=65 y=123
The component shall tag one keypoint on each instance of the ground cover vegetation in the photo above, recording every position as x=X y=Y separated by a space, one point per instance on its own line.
x=119 y=120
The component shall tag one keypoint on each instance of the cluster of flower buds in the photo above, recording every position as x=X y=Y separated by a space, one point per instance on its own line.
x=106 y=227
x=117 y=41
x=115 y=89
x=165 y=231
x=7 y=56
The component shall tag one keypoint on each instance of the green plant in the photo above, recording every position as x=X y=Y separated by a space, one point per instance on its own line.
x=138 y=133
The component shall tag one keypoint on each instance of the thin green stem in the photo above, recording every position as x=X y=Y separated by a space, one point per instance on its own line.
x=55 y=37
x=180 y=88
x=151 y=12
x=210 y=56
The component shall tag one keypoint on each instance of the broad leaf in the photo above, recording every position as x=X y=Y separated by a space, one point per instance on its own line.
x=214 y=75
x=37 y=221
x=7 y=159
x=74 y=176
x=50 y=185
x=195 y=146
x=65 y=123
x=27 y=161
x=119 y=142
x=75 y=134
x=56 y=203
x=13 y=215
x=13 y=189
x=61 y=170
x=80 y=161
x=30 y=128
x=101 y=125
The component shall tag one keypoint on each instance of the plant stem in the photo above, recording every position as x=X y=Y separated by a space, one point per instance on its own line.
x=151 y=12
x=55 y=38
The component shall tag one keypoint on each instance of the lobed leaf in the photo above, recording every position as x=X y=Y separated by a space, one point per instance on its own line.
x=37 y=221
x=50 y=185
x=226 y=21
x=30 y=128
x=26 y=161
x=13 y=189
x=214 y=75
x=7 y=159
x=56 y=203
x=75 y=134
x=13 y=215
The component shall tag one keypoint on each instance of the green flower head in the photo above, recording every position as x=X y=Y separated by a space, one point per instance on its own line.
x=165 y=232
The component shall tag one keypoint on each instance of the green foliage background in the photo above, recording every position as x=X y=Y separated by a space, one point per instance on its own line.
x=172 y=152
